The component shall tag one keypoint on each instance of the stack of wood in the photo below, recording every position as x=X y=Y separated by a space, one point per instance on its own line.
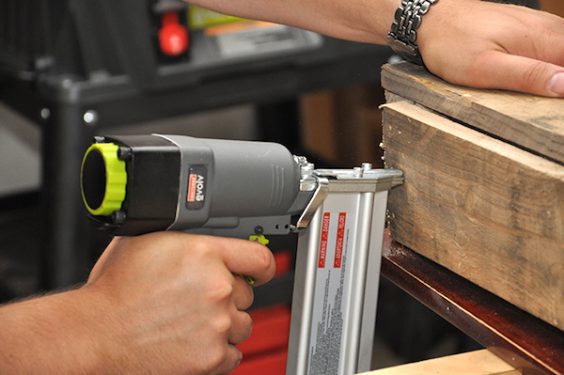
x=484 y=185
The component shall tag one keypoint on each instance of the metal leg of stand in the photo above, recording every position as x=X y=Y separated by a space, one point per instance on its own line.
x=66 y=235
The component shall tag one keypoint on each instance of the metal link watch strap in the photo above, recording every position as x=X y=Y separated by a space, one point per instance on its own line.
x=403 y=34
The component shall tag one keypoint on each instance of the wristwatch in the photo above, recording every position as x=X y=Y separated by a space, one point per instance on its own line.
x=402 y=37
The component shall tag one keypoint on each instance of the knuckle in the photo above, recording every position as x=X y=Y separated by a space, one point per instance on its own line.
x=220 y=289
x=200 y=248
x=534 y=73
x=217 y=357
x=222 y=324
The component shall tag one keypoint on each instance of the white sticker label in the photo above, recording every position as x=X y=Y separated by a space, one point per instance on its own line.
x=331 y=292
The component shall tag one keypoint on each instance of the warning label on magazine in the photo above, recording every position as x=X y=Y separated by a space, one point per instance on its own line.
x=328 y=310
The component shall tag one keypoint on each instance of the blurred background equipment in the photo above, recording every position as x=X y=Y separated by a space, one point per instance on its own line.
x=77 y=67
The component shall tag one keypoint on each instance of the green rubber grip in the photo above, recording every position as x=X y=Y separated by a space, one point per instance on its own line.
x=112 y=182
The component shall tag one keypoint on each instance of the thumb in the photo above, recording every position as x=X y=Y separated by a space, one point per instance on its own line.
x=518 y=73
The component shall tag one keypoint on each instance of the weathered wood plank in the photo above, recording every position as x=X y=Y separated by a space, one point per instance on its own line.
x=487 y=210
x=553 y=6
x=340 y=126
x=480 y=362
x=531 y=122
x=517 y=337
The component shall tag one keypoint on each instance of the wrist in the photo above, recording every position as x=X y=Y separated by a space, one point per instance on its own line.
x=79 y=315
x=440 y=23
x=101 y=329
x=404 y=36
x=435 y=20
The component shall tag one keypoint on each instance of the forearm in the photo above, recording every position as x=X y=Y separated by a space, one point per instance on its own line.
x=360 y=20
x=50 y=335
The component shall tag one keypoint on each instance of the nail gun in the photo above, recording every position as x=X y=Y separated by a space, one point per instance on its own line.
x=143 y=183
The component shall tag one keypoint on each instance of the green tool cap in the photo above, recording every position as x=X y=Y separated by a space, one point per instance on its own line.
x=103 y=179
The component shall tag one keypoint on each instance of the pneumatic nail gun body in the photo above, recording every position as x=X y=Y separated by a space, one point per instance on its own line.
x=138 y=184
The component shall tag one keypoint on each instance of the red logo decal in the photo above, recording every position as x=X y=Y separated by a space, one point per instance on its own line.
x=192 y=180
x=324 y=238
x=340 y=238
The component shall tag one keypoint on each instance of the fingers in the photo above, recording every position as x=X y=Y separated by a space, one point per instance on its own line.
x=540 y=37
x=500 y=70
x=241 y=257
x=247 y=258
x=232 y=360
x=243 y=295
x=241 y=327
x=240 y=331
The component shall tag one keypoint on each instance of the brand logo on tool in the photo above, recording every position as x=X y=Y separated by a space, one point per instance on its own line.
x=196 y=188
x=197 y=181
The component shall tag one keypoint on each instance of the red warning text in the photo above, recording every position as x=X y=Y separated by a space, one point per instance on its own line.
x=324 y=239
x=340 y=239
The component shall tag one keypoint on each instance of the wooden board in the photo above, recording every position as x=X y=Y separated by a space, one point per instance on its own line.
x=517 y=337
x=531 y=122
x=487 y=210
x=553 y=6
x=340 y=126
x=480 y=362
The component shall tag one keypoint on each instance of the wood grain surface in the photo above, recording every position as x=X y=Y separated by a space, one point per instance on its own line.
x=480 y=362
x=530 y=122
x=520 y=339
x=553 y=6
x=485 y=209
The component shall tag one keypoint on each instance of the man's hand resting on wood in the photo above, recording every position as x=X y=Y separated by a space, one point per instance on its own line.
x=488 y=45
x=469 y=42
